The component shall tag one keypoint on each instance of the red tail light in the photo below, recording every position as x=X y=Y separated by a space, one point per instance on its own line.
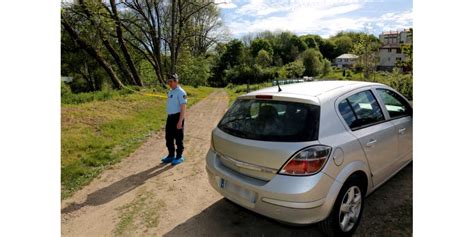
x=307 y=161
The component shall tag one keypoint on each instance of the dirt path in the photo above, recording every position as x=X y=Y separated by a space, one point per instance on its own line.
x=140 y=197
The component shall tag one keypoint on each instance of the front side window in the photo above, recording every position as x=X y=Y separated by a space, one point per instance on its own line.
x=396 y=106
x=361 y=110
x=271 y=120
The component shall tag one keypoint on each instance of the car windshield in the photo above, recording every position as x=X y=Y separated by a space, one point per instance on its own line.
x=270 y=120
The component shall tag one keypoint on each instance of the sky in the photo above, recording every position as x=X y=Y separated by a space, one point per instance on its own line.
x=322 y=17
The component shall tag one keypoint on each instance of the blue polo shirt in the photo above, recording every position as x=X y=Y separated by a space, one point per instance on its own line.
x=176 y=98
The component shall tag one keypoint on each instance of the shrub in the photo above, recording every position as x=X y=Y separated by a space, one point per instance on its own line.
x=403 y=83
x=65 y=89
x=326 y=69
x=293 y=70
x=195 y=71
x=263 y=58
x=312 y=61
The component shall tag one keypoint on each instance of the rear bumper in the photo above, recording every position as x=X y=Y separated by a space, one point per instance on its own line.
x=290 y=199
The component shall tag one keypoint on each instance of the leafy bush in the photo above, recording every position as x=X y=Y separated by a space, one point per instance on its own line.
x=312 y=61
x=403 y=83
x=292 y=70
x=254 y=74
x=65 y=89
x=326 y=69
x=263 y=58
x=195 y=71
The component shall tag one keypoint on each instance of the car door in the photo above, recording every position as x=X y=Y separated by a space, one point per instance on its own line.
x=400 y=115
x=377 y=136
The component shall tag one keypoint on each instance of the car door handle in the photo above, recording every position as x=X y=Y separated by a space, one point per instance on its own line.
x=401 y=130
x=371 y=142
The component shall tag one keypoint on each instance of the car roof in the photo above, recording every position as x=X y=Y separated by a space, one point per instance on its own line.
x=316 y=88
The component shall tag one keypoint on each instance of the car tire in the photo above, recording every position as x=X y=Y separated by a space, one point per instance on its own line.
x=334 y=224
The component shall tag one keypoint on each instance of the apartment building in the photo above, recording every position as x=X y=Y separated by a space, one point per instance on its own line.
x=390 y=51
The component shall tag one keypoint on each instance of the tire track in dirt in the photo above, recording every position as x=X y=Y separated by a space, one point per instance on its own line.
x=122 y=200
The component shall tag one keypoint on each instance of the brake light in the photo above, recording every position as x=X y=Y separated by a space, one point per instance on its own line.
x=266 y=97
x=307 y=161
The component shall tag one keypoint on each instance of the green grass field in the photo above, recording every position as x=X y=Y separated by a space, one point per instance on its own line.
x=99 y=131
x=337 y=74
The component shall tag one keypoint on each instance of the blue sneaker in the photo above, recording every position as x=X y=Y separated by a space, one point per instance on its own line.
x=167 y=159
x=177 y=161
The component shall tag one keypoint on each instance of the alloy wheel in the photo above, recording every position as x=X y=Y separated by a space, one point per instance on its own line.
x=349 y=211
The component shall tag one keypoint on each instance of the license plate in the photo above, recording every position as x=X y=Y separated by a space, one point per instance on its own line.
x=238 y=190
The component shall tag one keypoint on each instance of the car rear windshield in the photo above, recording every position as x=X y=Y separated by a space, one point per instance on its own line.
x=270 y=120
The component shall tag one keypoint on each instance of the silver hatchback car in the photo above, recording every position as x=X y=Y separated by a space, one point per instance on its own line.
x=311 y=152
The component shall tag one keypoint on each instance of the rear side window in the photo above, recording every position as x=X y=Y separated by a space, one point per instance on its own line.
x=361 y=110
x=270 y=120
x=396 y=106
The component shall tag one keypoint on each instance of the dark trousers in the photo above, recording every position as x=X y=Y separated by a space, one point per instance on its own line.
x=173 y=134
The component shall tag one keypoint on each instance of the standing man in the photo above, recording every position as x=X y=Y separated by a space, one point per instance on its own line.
x=176 y=109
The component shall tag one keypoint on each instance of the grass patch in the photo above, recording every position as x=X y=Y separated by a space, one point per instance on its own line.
x=143 y=211
x=68 y=97
x=338 y=74
x=99 y=133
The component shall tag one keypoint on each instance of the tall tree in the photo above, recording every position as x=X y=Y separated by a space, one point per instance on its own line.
x=95 y=20
x=263 y=58
x=207 y=27
x=182 y=12
x=123 y=46
x=259 y=44
x=144 y=24
x=328 y=48
x=343 y=45
x=312 y=61
x=367 y=50
x=91 y=51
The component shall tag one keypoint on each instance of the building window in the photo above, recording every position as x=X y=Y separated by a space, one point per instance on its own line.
x=389 y=50
x=399 y=50
x=388 y=59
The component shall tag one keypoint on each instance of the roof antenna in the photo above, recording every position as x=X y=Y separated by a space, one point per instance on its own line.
x=278 y=84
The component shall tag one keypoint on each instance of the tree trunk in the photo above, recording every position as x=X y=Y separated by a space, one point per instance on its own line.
x=173 y=37
x=107 y=44
x=117 y=84
x=123 y=47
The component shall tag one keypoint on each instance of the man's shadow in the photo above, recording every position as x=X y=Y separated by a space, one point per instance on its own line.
x=117 y=189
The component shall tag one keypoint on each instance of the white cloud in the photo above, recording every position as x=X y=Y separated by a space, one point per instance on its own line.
x=298 y=18
x=260 y=8
x=225 y=4
x=394 y=21
x=323 y=17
